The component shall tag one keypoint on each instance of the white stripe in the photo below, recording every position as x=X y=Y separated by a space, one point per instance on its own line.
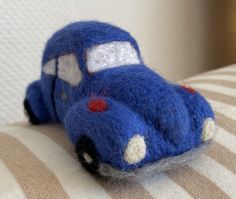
x=215 y=77
x=231 y=68
x=9 y=187
x=75 y=180
x=215 y=88
x=226 y=139
x=225 y=109
x=50 y=67
x=218 y=174
x=163 y=187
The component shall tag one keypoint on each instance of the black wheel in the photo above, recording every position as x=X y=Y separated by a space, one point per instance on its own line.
x=32 y=118
x=87 y=154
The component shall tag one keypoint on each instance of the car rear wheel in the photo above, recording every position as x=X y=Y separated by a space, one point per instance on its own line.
x=29 y=112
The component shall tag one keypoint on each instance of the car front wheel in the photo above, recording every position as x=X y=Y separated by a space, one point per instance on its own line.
x=87 y=154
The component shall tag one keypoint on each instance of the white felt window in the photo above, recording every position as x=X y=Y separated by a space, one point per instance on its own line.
x=50 y=67
x=68 y=69
x=111 y=55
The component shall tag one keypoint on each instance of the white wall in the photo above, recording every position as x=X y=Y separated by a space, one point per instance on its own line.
x=178 y=38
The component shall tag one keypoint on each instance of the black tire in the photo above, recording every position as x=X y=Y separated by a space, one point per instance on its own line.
x=32 y=118
x=86 y=146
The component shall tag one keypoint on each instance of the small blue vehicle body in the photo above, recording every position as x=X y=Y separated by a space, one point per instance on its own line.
x=116 y=111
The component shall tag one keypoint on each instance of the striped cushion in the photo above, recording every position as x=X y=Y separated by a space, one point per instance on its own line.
x=39 y=161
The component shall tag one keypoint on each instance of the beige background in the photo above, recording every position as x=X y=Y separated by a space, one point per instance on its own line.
x=178 y=38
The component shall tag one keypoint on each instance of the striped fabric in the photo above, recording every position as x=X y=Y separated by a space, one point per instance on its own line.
x=39 y=161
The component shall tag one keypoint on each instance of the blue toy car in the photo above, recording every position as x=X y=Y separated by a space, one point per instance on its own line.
x=122 y=117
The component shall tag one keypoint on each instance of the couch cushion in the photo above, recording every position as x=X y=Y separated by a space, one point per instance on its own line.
x=39 y=161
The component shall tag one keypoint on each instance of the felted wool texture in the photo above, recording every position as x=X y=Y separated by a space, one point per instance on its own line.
x=135 y=150
x=111 y=130
x=140 y=88
x=198 y=109
x=111 y=55
x=140 y=102
x=150 y=170
x=36 y=102
x=68 y=69
x=79 y=36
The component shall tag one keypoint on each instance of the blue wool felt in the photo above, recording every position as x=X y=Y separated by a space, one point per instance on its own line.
x=79 y=36
x=36 y=102
x=151 y=97
x=139 y=101
x=198 y=109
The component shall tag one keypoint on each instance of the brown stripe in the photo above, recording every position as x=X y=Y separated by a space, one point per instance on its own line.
x=226 y=122
x=36 y=180
x=218 y=96
x=115 y=189
x=195 y=183
x=222 y=156
x=225 y=83
x=124 y=189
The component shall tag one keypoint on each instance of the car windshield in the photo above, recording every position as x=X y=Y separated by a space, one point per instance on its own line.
x=111 y=55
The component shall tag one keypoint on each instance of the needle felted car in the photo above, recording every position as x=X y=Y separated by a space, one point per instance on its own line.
x=122 y=117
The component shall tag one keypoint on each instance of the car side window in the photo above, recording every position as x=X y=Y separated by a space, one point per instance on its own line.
x=110 y=55
x=50 y=67
x=68 y=69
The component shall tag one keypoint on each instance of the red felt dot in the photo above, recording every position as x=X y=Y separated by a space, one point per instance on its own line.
x=188 y=88
x=97 y=105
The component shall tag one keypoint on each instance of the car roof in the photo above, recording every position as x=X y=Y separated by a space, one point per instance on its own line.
x=82 y=35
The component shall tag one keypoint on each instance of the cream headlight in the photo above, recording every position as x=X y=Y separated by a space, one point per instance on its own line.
x=209 y=129
x=135 y=150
